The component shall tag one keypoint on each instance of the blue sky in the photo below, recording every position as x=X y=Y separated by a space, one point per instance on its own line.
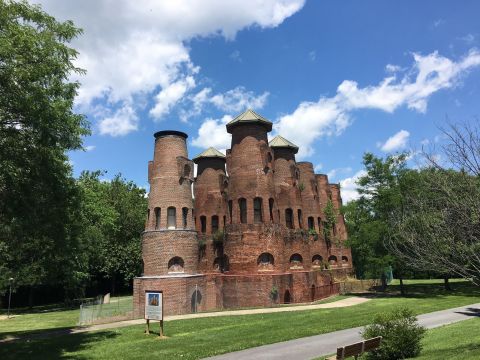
x=337 y=78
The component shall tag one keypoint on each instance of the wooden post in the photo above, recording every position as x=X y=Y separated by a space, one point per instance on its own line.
x=147 y=329
x=161 y=329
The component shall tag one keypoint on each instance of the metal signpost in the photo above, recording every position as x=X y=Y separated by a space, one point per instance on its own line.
x=154 y=309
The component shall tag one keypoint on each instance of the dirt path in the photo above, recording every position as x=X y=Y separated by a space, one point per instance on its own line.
x=335 y=304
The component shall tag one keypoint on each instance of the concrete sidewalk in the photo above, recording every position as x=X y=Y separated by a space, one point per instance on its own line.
x=320 y=345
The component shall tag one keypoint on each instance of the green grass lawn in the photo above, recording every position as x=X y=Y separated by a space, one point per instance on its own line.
x=197 y=338
x=456 y=341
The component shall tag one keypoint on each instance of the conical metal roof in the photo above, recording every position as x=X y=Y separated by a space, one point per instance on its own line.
x=280 y=142
x=247 y=117
x=209 y=153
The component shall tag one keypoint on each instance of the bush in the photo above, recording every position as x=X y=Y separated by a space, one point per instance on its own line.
x=401 y=335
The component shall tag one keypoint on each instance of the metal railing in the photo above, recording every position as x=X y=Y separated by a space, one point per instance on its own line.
x=97 y=310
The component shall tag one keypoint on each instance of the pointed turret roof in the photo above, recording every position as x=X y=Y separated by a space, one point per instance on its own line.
x=209 y=153
x=280 y=142
x=248 y=117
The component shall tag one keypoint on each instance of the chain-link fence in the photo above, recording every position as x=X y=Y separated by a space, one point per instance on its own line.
x=99 y=311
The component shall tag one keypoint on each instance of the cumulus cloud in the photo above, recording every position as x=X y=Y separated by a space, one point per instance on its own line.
x=212 y=132
x=395 y=142
x=239 y=99
x=332 y=174
x=140 y=48
x=122 y=122
x=332 y=115
x=348 y=187
x=89 y=147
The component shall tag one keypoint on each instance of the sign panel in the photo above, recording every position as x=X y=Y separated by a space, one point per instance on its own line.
x=153 y=305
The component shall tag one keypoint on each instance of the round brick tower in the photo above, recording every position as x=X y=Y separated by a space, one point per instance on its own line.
x=251 y=192
x=287 y=176
x=170 y=243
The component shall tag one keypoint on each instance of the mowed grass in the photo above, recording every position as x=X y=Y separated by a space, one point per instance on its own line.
x=198 y=338
x=53 y=317
x=455 y=341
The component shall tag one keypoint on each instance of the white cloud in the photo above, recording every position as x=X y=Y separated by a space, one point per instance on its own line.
x=396 y=142
x=312 y=55
x=89 y=147
x=239 y=99
x=392 y=68
x=138 y=48
x=170 y=95
x=348 y=187
x=121 y=123
x=318 y=167
x=331 y=115
x=469 y=38
x=212 y=132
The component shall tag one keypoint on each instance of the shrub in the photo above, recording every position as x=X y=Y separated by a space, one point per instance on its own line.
x=401 y=335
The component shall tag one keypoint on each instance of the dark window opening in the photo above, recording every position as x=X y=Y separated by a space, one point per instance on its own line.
x=214 y=224
x=289 y=218
x=257 y=210
x=175 y=264
x=185 y=217
x=157 y=218
x=311 y=223
x=230 y=210
x=300 y=219
x=242 y=204
x=203 y=224
x=224 y=221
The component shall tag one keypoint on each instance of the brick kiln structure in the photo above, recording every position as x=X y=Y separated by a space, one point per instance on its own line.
x=256 y=233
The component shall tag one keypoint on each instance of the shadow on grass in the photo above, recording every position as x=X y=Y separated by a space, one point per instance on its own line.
x=25 y=335
x=470 y=312
x=53 y=348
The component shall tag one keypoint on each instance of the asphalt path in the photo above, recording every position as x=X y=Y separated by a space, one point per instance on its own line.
x=320 y=345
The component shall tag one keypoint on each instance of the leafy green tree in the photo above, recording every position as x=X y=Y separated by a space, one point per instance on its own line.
x=113 y=218
x=368 y=219
x=38 y=196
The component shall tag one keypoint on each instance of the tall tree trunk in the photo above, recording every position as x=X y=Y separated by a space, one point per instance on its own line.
x=402 y=287
x=446 y=283
x=384 y=282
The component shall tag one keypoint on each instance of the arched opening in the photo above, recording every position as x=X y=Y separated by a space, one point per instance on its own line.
x=257 y=210
x=296 y=261
x=286 y=297
x=265 y=261
x=242 y=204
x=175 y=265
x=220 y=264
x=332 y=260
x=203 y=224
x=311 y=223
x=289 y=218
x=214 y=224
x=300 y=219
x=319 y=223
x=171 y=218
x=270 y=208
x=148 y=216
x=196 y=300
x=157 y=212
x=317 y=261
x=184 y=217
x=344 y=260
x=312 y=293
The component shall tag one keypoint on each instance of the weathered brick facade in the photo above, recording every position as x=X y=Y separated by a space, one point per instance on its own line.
x=255 y=234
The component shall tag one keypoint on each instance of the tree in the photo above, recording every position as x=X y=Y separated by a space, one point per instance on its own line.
x=113 y=218
x=368 y=219
x=38 y=196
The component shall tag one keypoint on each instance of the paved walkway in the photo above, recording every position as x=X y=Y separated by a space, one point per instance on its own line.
x=355 y=300
x=320 y=345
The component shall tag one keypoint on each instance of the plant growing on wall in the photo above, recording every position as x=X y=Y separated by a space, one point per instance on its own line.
x=330 y=221
x=301 y=187
x=218 y=237
x=274 y=293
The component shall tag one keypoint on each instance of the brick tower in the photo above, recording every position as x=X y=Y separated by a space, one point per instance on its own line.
x=251 y=190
